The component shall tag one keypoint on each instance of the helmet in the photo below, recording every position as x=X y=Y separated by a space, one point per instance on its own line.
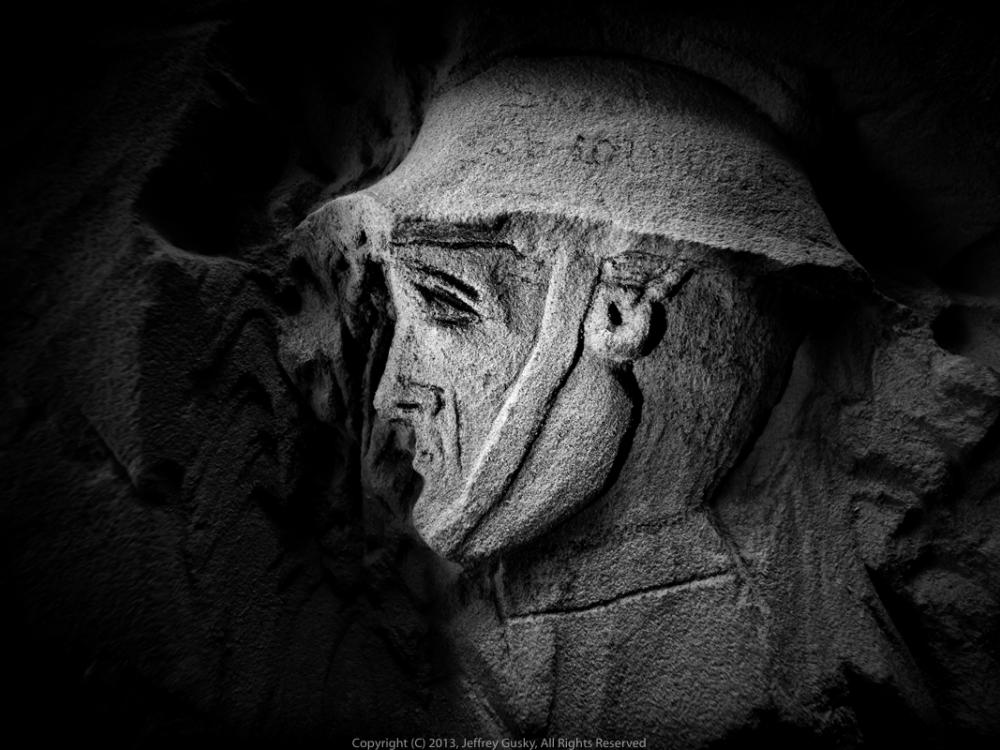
x=620 y=174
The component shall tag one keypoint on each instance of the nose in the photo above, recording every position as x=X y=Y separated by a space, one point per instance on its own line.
x=399 y=396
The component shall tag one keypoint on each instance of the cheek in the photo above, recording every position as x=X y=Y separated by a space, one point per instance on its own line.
x=480 y=365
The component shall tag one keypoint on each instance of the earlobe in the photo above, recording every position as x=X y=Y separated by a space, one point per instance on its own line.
x=618 y=323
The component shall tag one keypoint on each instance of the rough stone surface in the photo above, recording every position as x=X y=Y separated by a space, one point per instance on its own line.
x=542 y=371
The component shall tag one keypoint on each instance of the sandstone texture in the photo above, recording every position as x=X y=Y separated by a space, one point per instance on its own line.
x=532 y=371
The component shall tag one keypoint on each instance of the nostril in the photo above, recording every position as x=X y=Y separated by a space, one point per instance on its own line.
x=407 y=406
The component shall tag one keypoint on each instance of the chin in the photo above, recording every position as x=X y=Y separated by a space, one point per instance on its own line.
x=434 y=507
x=568 y=465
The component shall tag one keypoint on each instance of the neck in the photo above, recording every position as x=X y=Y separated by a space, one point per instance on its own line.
x=600 y=558
x=641 y=537
x=650 y=530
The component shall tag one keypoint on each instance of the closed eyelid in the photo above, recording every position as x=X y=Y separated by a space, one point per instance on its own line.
x=446 y=282
x=436 y=297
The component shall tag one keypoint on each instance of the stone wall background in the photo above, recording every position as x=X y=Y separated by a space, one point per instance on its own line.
x=203 y=534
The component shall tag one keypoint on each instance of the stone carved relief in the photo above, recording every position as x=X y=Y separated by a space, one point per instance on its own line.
x=524 y=301
x=208 y=530
x=609 y=289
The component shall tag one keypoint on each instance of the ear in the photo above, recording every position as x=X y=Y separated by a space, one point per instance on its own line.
x=619 y=322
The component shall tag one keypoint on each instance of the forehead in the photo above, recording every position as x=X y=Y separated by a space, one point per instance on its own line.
x=489 y=254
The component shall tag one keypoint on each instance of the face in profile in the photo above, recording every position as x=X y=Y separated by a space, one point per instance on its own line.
x=466 y=320
x=519 y=351
x=513 y=372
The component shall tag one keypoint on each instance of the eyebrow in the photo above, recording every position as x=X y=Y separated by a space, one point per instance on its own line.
x=443 y=276
x=452 y=236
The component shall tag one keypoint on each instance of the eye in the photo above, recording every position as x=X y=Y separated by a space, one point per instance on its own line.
x=446 y=308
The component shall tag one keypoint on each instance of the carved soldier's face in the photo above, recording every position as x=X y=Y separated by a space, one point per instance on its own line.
x=466 y=319
x=516 y=369
x=511 y=371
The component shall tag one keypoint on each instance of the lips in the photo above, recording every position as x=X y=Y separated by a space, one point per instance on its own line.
x=442 y=480
x=428 y=448
x=423 y=460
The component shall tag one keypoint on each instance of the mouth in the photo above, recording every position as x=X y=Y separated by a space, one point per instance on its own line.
x=428 y=451
x=424 y=459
